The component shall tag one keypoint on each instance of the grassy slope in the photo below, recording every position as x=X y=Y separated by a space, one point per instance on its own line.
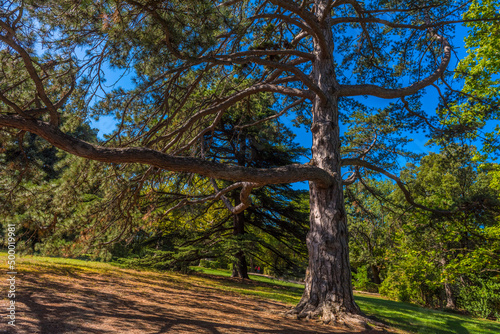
x=401 y=315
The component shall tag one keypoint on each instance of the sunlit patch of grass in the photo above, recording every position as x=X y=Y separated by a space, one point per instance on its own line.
x=285 y=292
x=421 y=320
x=38 y=263
x=257 y=278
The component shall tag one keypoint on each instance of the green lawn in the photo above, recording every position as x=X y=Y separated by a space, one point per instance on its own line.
x=404 y=316
x=416 y=319
x=258 y=278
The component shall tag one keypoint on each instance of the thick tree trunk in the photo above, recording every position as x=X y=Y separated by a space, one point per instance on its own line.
x=328 y=290
x=240 y=263
x=450 y=298
x=448 y=290
x=376 y=274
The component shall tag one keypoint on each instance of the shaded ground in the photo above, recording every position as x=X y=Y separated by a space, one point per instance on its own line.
x=69 y=299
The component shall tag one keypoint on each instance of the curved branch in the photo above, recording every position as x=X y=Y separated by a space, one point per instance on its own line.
x=352 y=178
x=284 y=67
x=308 y=17
x=374 y=90
x=425 y=119
x=228 y=102
x=75 y=146
x=245 y=201
x=301 y=35
x=288 y=19
x=401 y=185
x=32 y=72
x=244 y=194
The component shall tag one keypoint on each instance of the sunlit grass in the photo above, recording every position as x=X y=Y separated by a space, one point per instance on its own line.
x=37 y=263
x=269 y=289
x=420 y=320
x=258 y=278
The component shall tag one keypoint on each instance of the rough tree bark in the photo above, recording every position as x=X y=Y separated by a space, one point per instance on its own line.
x=450 y=298
x=376 y=274
x=328 y=289
x=240 y=264
x=448 y=289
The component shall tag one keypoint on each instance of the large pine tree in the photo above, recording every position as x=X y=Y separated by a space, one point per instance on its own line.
x=315 y=54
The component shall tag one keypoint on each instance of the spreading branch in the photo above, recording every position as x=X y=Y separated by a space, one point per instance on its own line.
x=401 y=185
x=75 y=146
x=385 y=93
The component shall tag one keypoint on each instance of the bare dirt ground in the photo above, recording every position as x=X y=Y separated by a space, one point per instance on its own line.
x=70 y=300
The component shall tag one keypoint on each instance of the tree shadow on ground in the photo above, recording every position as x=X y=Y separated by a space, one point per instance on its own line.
x=75 y=301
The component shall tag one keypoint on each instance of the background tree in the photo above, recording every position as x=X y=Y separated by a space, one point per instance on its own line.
x=36 y=192
x=257 y=145
x=371 y=232
x=440 y=255
x=478 y=104
x=275 y=209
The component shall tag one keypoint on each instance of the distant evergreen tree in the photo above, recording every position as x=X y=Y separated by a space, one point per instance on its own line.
x=34 y=194
x=271 y=232
x=260 y=146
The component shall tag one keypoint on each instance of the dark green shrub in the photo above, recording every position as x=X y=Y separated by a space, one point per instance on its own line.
x=362 y=282
x=204 y=263
x=481 y=298
x=396 y=287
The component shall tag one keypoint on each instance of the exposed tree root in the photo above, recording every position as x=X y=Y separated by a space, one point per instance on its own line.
x=328 y=315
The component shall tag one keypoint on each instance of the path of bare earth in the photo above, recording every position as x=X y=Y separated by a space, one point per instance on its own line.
x=71 y=299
